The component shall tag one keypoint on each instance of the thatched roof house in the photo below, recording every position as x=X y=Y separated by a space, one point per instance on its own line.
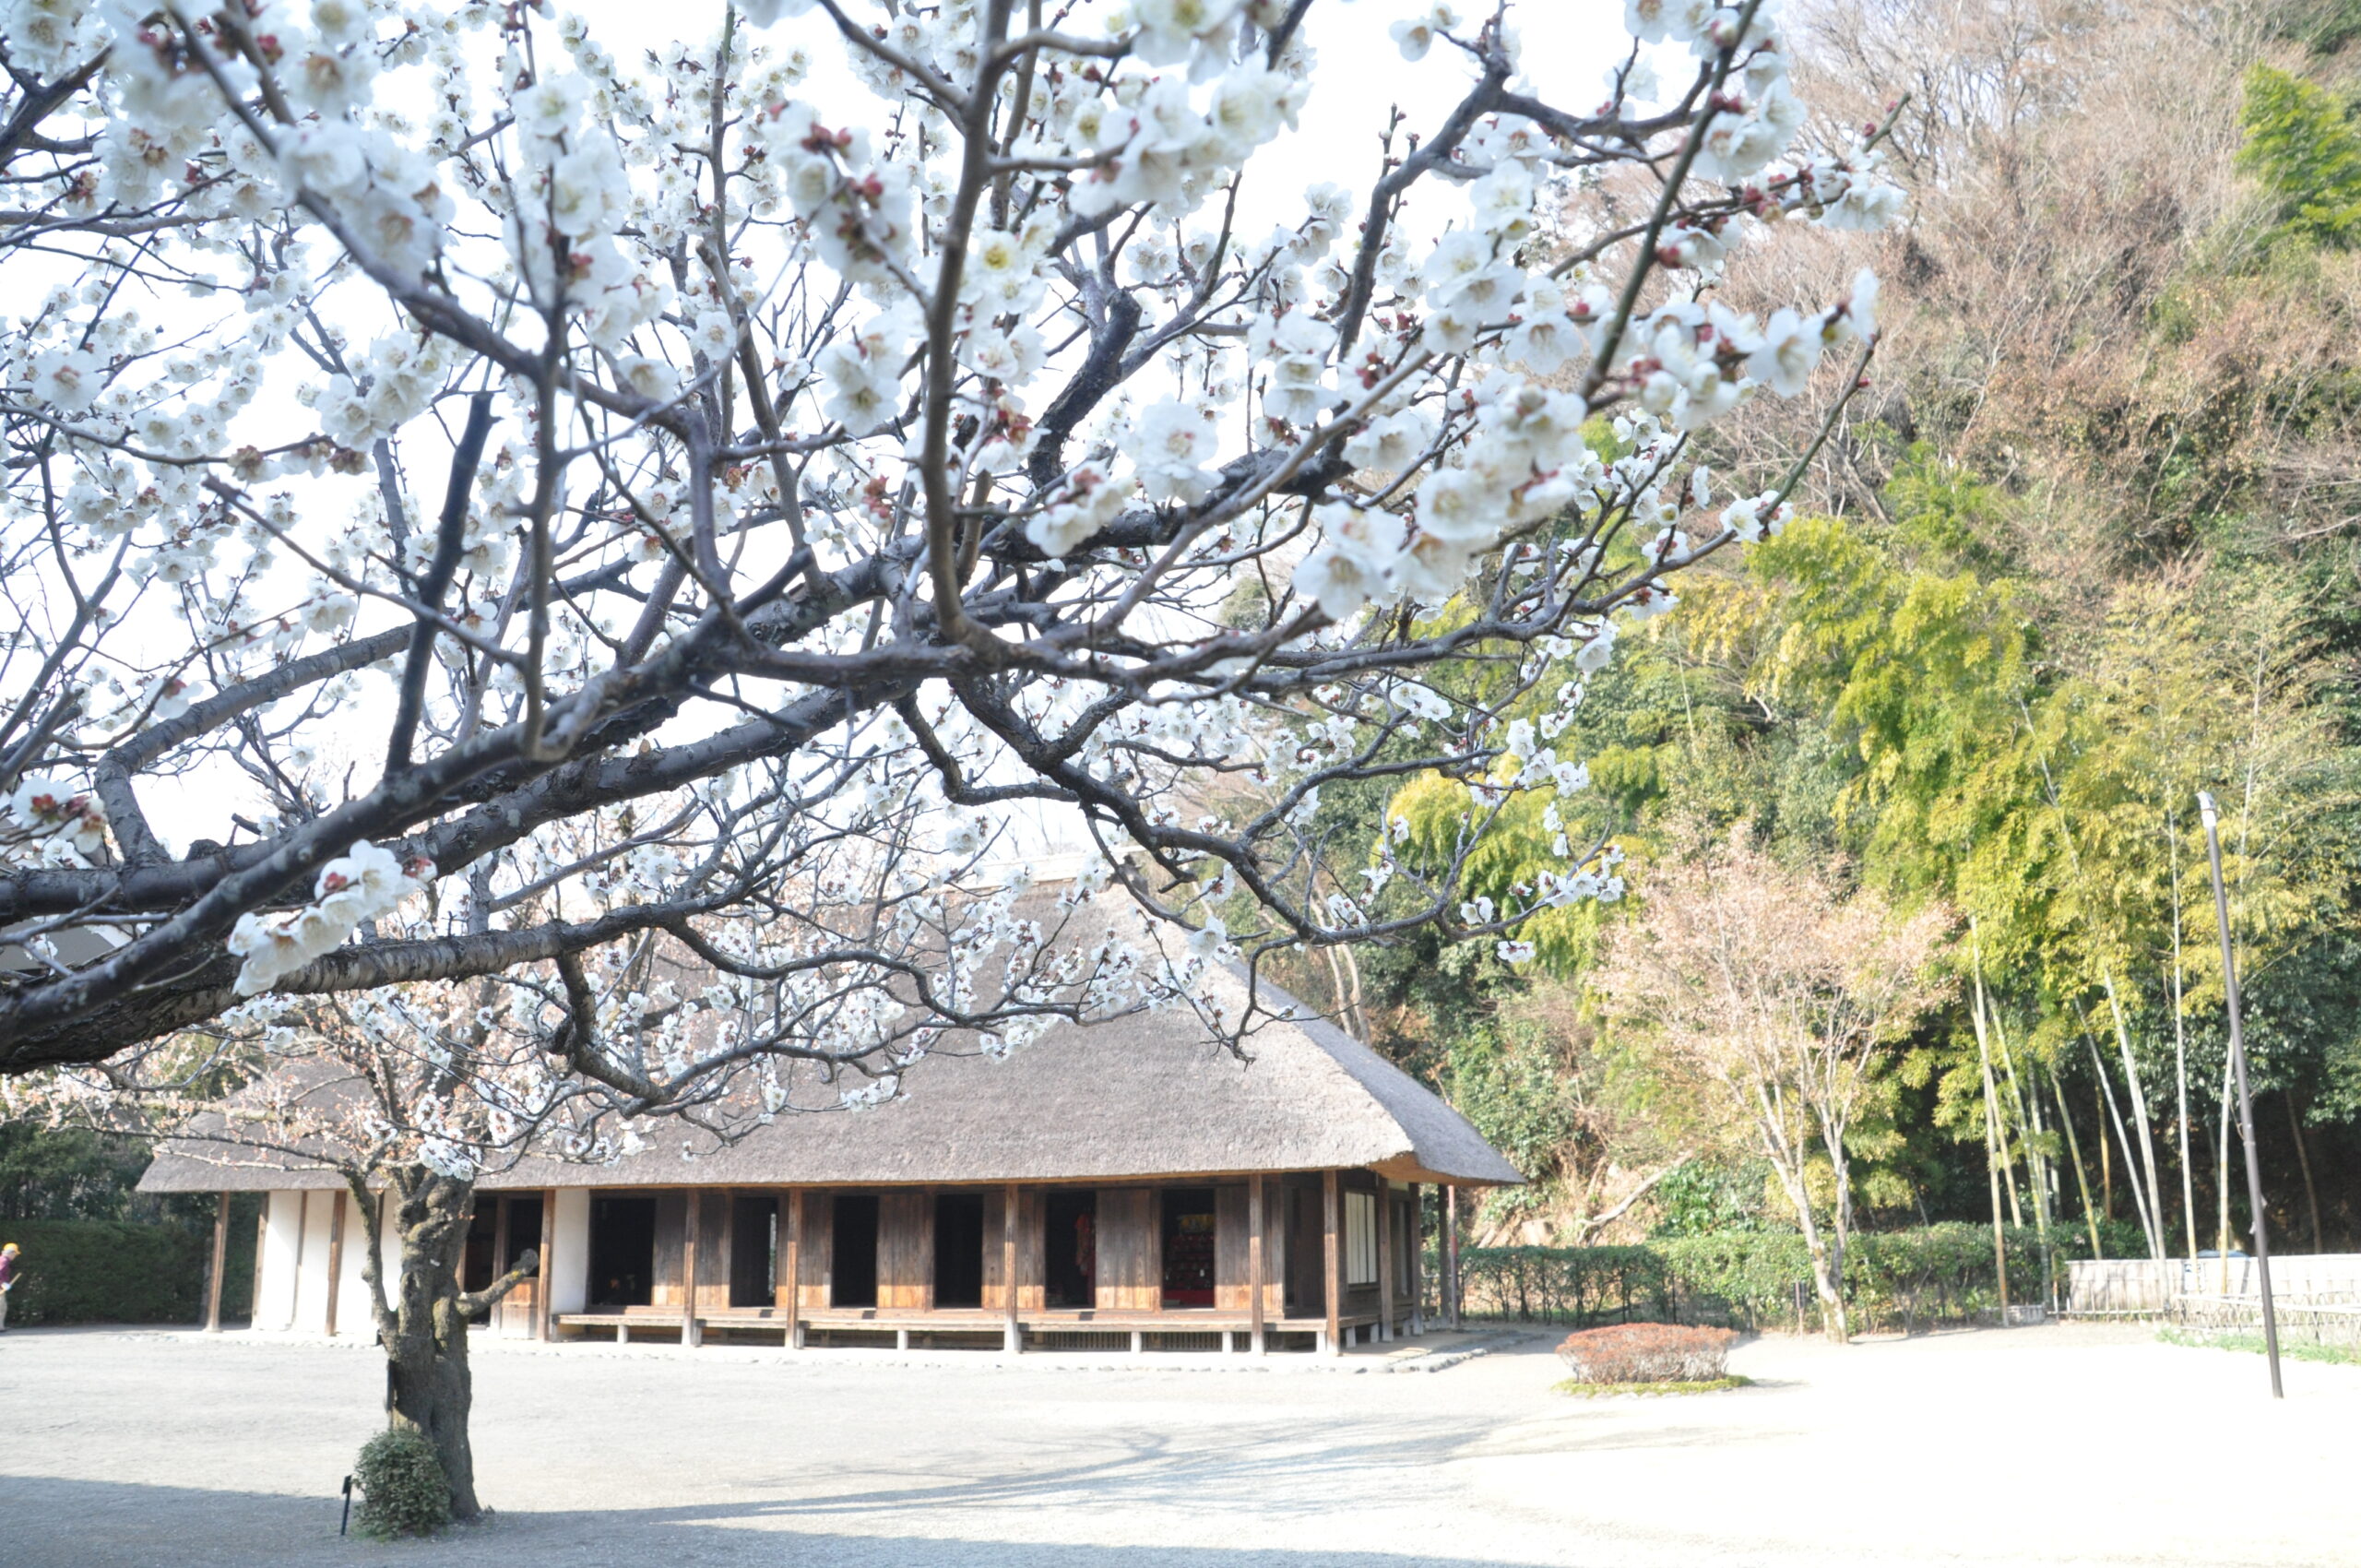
x=1131 y=1177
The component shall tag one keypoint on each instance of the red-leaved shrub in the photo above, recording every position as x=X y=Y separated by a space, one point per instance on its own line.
x=1647 y=1352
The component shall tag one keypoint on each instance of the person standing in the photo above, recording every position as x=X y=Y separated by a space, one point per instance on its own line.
x=8 y=1281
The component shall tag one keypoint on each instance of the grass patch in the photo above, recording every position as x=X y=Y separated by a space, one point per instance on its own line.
x=2336 y=1355
x=1581 y=1390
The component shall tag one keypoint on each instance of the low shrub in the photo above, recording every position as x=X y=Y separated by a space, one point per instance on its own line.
x=403 y=1489
x=1647 y=1352
x=106 y=1271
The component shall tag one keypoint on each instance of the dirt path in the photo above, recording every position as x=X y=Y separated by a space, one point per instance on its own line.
x=128 y=1450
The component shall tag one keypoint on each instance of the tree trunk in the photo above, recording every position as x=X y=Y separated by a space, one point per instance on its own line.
x=422 y=1321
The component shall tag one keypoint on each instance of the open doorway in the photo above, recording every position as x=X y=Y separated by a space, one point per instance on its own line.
x=959 y=1250
x=753 y=1225
x=1070 y=1256
x=1188 y=1247
x=853 y=1251
x=623 y=1251
x=1306 y=1285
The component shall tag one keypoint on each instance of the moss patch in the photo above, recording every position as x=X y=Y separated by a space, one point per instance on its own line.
x=1581 y=1390
x=2340 y=1354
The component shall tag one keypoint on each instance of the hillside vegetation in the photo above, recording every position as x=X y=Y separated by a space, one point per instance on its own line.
x=2090 y=543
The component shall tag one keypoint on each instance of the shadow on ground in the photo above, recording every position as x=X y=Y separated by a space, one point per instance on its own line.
x=80 y=1523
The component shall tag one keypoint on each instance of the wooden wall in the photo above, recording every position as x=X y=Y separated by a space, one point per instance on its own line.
x=1230 y=1217
x=670 y=1283
x=818 y=1251
x=672 y=1225
x=715 y=1234
x=1030 y=1289
x=905 y=1251
x=1131 y=1276
x=1232 y=1241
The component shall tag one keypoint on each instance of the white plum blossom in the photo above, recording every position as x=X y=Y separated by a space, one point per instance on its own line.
x=1169 y=446
x=360 y=886
x=715 y=503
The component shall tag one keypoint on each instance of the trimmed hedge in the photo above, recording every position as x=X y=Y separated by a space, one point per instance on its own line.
x=403 y=1491
x=1906 y=1279
x=1647 y=1352
x=116 y=1271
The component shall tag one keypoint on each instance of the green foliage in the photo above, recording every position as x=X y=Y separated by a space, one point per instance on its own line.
x=1581 y=1390
x=1708 y=1197
x=1583 y=1286
x=403 y=1489
x=2336 y=1355
x=1515 y=1092
x=2300 y=139
x=113 y=1271
x=2322 y=26
x=66 y=1173
x=1908 y=1280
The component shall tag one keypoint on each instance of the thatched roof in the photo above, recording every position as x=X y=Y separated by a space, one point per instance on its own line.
x=1137 y=1097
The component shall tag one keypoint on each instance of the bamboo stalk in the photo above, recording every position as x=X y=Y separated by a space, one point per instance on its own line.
x=2074 y=1150
x=1993 y=1151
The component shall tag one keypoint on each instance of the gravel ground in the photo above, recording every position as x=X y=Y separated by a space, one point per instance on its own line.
x=2044 y=1445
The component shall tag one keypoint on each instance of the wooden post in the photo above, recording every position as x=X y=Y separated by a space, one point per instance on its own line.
x=689 y=1267
x=787 y=1290
x=1330 y=1227
x=548 y=1245
x=1418 y=1261
x=500 y=1261
x=1013 y=1335
x=335 y=1257
x=1451 y=1256
x=1254 y=1262
x=213 y=1270
x=1385 y=1260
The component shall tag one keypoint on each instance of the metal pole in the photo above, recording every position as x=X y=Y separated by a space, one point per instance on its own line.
x=2205 y=808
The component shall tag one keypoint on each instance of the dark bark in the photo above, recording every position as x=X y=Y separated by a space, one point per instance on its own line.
x=422 y=1321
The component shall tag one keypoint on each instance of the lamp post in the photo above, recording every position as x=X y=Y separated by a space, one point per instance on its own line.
x=2205 y=809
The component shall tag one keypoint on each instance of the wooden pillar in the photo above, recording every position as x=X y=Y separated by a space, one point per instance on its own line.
x=786 y=1289
x=1384 y=1259
x=500 y=1261
x=548 y=1247
x=1331 y=1229
x=689 y=1231
x=1418 y=1260
x=335 y=1257
x=1254 y=1263
x=1013 y=1335
x=1451 y=1256
x=213 y=1269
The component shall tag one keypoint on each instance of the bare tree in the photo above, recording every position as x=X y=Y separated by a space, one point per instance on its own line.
x=1784 y=992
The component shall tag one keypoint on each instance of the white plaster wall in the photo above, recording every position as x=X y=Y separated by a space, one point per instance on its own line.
x=312 y=1279
x=353 y=1316
x=274 y=1307
x=389 y=1257
x=570 y=1260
